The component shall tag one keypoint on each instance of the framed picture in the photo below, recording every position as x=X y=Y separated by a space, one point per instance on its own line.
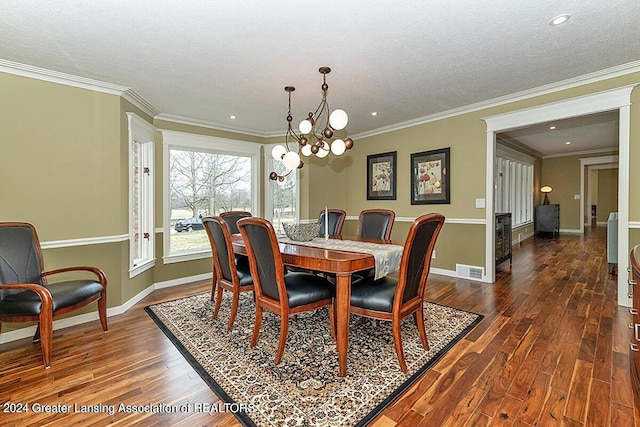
x=430 y=177
x=381 y=176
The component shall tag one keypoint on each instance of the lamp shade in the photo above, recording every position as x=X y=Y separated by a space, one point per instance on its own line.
x=546 y=189
x=305 y=126
x=291 y=160
x=278 y=151
x=338 y=147
x=338 y=119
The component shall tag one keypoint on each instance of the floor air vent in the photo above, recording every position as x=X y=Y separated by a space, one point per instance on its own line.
x=469 y=272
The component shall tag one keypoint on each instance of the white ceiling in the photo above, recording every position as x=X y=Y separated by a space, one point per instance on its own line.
x=206 y=60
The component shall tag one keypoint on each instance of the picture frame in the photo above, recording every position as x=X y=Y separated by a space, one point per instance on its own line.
x=431 y=177
x=381 y=176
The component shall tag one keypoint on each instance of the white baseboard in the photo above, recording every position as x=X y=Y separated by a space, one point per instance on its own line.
x=452 y=273
x=90 y=317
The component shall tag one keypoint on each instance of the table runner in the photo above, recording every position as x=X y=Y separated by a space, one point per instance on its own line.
x=387 y=257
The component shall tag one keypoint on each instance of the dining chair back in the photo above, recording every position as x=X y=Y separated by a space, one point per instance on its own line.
x=232 y=217
x=376 y=223
x=26 y=294
x=334 y=223
x=283 y=294
x=229 y=275
x=391 y=298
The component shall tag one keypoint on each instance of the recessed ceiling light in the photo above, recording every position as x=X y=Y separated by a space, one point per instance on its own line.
x=232 y=117
x=552 y=127
x=559 y=20
x=568 y=142
x=374 y=113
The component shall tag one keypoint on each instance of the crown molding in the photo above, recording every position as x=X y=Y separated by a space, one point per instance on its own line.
x=52 y=76
x=206 y=124
x=581 y=153
x=130 y=95
x=597 y=76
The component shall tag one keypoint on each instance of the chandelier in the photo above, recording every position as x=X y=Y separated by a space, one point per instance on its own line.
x=316 y=133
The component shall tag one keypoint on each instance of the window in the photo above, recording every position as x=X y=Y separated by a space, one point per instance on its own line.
x=282 y=198
x=514 y=185
x=141 y=191
x=203 y=177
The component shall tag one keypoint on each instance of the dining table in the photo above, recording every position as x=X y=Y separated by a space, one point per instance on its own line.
x=341 y=263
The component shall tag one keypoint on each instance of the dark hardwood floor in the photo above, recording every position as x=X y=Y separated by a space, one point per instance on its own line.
x=553 y=349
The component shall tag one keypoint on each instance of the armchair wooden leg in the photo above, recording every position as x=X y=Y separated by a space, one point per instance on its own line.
x=256 y=326
x=45 y=326
x=36 y=336
x=397 y=341
x=284 y=330
x=102 y=311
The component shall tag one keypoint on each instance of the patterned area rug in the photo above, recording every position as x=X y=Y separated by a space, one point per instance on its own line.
x=304 y=389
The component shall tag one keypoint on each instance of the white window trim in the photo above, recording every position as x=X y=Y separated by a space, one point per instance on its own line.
x=143 y=133
x=181 y=140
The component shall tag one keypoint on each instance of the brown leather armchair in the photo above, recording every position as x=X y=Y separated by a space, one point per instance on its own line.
x=27 y=296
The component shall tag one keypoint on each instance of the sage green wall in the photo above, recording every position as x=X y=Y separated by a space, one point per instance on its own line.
x=61 y=150
x=563 y=175
x=466 y=135
x=607 y=193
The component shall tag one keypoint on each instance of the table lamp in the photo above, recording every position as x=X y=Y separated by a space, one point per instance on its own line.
x=546 y=190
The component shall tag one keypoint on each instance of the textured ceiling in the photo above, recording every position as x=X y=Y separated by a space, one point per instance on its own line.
x=207 y=60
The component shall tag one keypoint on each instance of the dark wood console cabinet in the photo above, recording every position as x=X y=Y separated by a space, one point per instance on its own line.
x=503 y=238
x=547 y=219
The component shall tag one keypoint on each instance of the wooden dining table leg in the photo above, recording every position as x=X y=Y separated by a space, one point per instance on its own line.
x=343 y=297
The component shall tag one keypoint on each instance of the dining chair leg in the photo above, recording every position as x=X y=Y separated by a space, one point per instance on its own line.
x=36 y=336
x=419 y=318
x=218 y=302
x=397 y=341
x=256 y=326
x=234 y=310
x=332 y=320
x=284 y=330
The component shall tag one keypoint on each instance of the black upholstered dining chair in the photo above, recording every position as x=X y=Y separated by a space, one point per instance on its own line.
x=375 y=223
x=283 y=294
x=393 y=299
x=26 y=294
x=335 y=222
x=232 y=217
x=229 y=275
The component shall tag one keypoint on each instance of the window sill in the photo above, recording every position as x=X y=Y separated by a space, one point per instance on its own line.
x=141 y=267
x=190 y=256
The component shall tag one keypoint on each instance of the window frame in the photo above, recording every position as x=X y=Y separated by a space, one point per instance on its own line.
x=142 y=133
x=189 y=141
x=515 y=187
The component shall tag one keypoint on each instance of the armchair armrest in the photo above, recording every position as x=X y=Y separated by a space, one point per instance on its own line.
x=99 y=273
x=43 y=293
